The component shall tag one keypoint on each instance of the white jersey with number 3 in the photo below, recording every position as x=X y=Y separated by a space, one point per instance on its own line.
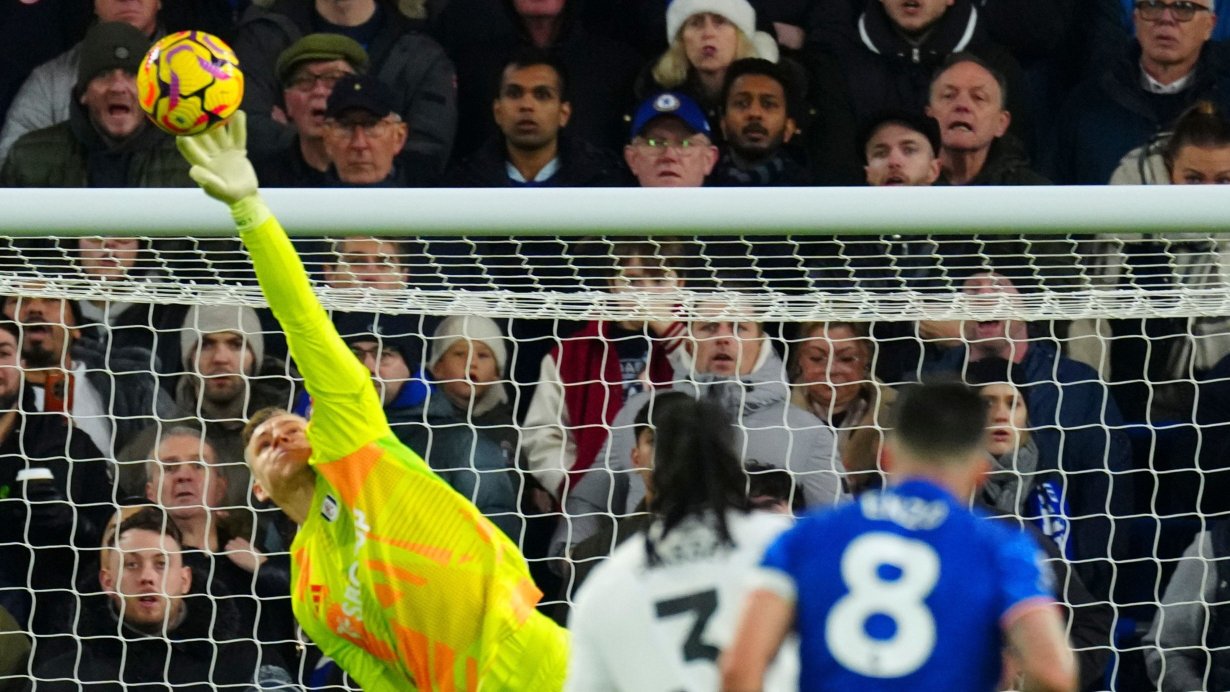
x=661 y=628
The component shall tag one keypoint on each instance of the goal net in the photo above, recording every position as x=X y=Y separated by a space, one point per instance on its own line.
x=1111 y=347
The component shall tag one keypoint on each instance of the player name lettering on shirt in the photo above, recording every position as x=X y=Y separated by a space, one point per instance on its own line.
x=685 y=545
x=352 y=602
x=913 y=513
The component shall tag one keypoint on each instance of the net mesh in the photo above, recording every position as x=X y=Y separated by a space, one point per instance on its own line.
x=1125 y=412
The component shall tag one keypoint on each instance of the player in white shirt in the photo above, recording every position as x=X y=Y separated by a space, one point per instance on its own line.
x=657 y=614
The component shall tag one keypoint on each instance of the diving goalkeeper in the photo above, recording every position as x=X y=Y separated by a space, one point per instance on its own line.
x=394 y=575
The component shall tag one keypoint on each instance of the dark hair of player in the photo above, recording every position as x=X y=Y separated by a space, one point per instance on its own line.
x=696 y=469
x=940 y=423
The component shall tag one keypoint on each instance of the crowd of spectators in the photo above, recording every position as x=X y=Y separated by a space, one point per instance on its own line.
x=540 y=423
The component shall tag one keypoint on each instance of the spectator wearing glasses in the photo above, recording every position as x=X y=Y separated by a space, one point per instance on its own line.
x=671 y=142
x=1165 y=69
x=308 y=70
x=363 y=136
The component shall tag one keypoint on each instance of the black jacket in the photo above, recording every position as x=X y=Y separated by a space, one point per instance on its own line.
x=207 y=651
x=482 y=35
x=885 y=72
x=39 y=543
x=1006 y=164
x=581 y=165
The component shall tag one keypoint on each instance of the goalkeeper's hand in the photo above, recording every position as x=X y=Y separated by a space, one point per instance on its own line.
x=219 y=160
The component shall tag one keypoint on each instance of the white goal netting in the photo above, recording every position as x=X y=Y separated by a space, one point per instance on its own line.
x=1114 y=346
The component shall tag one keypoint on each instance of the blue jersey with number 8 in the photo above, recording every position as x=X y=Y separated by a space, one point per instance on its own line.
x=905 y=589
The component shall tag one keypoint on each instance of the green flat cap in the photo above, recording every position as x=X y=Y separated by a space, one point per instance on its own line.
x=320 y=47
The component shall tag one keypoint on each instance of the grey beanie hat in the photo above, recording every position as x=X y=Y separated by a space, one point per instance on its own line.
x=474 y=328
x=211 y=319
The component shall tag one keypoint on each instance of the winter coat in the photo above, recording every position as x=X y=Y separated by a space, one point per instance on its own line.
x=207 y=651
x=1078 y=430
x=32 y=34
x=408 y=61
x=39 y=545
x=860 y=433
x=470 y=463
x=1108 y=116
x=770 y=431
x=780 y=170
x=74 y=154
x=44 y=99
x=1006 y=164
x=885 y=72
x=581 y=165
x=481 y=40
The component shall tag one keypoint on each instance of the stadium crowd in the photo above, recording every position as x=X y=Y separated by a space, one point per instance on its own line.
x=1106 y=437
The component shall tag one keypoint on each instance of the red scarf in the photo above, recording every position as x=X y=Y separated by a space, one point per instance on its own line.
x=588 y=365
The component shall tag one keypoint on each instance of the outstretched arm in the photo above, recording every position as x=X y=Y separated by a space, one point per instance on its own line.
x=339 y=384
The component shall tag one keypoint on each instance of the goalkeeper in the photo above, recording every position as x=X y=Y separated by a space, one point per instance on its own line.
x=395 y=576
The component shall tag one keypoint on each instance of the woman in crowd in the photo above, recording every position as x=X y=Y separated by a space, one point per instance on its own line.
x=831 y=373
x=705 y=37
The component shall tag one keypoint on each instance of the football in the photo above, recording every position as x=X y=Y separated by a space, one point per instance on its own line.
x=189 y=82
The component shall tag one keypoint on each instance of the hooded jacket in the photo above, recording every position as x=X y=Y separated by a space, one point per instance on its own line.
x=407 y=60
x=771 y=431
x=887 y=72
x=76 y=154
x=207 y=651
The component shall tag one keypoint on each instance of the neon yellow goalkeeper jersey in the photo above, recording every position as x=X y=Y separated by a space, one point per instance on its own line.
x=395 y=575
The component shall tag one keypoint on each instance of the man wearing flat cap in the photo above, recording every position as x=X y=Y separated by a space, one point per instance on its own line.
x=107 y=141
x=363 y=135
x=307 y=71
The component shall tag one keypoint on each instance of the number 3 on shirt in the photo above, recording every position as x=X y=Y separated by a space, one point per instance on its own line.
x=871 y=593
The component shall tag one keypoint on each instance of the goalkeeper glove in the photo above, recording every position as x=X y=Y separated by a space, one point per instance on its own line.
x=220 y=166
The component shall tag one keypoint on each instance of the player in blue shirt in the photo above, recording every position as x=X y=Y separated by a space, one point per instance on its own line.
x=906 y=588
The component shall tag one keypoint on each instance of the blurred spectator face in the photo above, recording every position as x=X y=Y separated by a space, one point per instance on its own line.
x=111 y=100
x=183 y=477
x=466 y=370
x=10 y=368
x=538 y=9
x=915 y=16
x=387 y=366
x=898 y=155
x=47 y=329
x=668 y=153
x=108 y=258
x=1170 y=38
x=146 y=579
x=1007 y=418
x=362 y=147
x=991 y=288
x=635 y=274
x=307 y=92
x=756 y=123
x=529 y=109
x=1194 y=165
x=142 y=14
x=710 y=41
x=222 y=360
x=968 y=104
x=833 y=364
x=367 y=262
x=726 y=348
